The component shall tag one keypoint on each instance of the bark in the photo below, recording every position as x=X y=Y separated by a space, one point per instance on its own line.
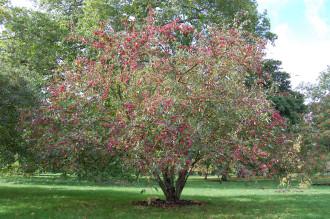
x=172 y=187
x=224 y=177
x=225 y=173
x=207 y=171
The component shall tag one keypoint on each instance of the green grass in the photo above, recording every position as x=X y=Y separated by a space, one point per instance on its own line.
x=53 y=197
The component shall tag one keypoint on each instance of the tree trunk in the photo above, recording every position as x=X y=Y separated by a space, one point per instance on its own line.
x=224 y=177
x=172 y=189
x=225 y=173
x=207 y=171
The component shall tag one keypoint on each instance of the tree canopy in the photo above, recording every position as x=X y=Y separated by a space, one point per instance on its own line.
x=163 y=104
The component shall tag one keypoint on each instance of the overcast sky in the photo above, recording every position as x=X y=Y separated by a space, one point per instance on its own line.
x=303 y=29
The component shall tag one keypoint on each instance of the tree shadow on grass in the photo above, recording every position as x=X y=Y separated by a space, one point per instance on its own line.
x=55 y=179
x=29 y=202
x=193 y=182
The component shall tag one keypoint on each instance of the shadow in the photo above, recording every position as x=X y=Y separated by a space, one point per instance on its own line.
x=116 y=202
x=39 y=202
x=58 y=180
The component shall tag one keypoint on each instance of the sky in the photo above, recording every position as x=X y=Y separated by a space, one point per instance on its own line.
x=22 y=3
x=303 y=29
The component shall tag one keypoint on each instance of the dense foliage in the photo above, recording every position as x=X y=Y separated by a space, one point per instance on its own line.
x=277 y=83
x=162 y=104
x=41 y=41
x=87 y=14
x=319 y=115
x=15 y=95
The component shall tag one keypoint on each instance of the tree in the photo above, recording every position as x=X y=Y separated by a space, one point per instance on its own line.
x=15 y=94
x=35 y=40
x=30 y=48
x=291 y=106
x=314 y=131
x=322 y=119
x=274 y=77
x=87 y=14
x=317 y=140
x=319 y=96
x=161 y=104
x=277 y=83
x=41 y=41
x=316 y=92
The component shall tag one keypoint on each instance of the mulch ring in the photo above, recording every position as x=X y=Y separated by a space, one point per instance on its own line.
x=321 y=184
x=159 y=203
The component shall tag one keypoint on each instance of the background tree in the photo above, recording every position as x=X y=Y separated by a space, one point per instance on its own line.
x=34 y=40
x=318 y=118
x=316 y=92
x=27 y=51
x=277 y=83
x=43 y=39
x=15 y=94
x=88 y=14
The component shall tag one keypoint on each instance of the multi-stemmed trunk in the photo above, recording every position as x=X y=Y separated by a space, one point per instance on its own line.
x=171 y=185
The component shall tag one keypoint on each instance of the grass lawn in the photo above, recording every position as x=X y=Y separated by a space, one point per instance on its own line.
x=52 y=197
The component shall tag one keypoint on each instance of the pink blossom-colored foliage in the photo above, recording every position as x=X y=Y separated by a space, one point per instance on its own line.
x=164 y=103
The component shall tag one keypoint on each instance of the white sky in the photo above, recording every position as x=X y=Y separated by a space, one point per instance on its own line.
x=22 y=3
x=304 y=55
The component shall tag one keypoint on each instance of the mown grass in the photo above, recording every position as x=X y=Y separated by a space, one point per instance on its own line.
x=53 y=197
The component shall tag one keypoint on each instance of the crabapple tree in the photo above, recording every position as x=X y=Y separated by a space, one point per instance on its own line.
x=161 y=104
